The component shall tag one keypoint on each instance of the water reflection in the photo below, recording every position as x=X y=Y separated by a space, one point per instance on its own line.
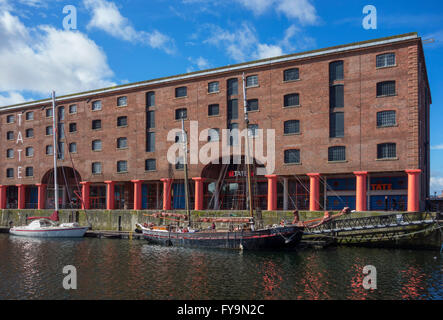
x=116 y=269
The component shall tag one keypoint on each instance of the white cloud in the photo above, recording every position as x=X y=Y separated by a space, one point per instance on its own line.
x=302 y=10
x=436 y=185
x=10 y=98
x=268 y=51
x=43 y=58
x=201 y=63
x=107 y=17
x=437 y=147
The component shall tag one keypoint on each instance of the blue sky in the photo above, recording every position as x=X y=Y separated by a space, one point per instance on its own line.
x=125 y=41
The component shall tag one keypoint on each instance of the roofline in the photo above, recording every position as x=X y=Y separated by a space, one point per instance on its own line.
x=256 y=63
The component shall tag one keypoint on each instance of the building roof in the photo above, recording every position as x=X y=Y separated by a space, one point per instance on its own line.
x=256 y=63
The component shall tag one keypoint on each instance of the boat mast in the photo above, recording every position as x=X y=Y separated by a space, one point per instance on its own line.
x=185 y=164
x=54 y=136
x=248 y=162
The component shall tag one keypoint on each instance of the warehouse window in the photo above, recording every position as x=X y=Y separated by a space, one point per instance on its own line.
x=386 y=89
x=122 y=143
x=29 y=171
x=385 y=60
x=386 y=151
x=232 y=87
x=337 y=125
x=150 y=165
x=150 y=99
x=252 y=81
x=96 y=105
x=29 y=151
x=150 y=119
x=181 y=114
x=253 y=105
x=213 y=110
x=336 y=71
x=49 y=130
x=291 y=74
x=10 y=173
x=253 y=130
x=213 y=87
x=122 y=166
x=72 y=109
x=96 y=168
x=292 y=100
x=73 y=147
x=61 y=150
x=49 y=113
x=73 y=127
x=122 y=121
x=61 y=113
x=292 y=127
x=337 y=98
x=96 y=124
x=292 y=156
x=96 y=145
x=386 y=119
x=10 y=119
x=122 y=101
x=181 y=92
x=49 y=150
x=337 y=154
x=233 y=109
x=150 y=142
x=30 y=115
x=10 y=153
x=29 y=133
x=10 y=135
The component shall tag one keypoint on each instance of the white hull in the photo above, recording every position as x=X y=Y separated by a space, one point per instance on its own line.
x=58 y=232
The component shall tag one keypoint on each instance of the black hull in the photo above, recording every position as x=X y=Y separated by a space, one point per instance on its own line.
x=276 y=238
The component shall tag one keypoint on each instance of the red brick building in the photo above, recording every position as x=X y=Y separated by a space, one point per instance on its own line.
x=351 y=125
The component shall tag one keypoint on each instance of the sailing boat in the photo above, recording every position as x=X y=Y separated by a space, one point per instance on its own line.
x=49 y=227
x=249 y=234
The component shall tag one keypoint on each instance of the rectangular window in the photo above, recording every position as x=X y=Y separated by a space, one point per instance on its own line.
x=181 y=92
x=10 y=135
x=213 y=87
x=386 y=60
x=292 y=127
x=29 y=171
x=181 y=114
x=122 y=121
x=386 y=119
x=252 y=105
x=29 y=151
x=291 y=74
x=122 y=143
x=337 y=125
x=10 y=119
x=336 y=71
x=61 y=113
x=61 y=150
x=122 y=166
x=96 y=105
x=150 y=99
x=233 y=109
x=73 y=127
x=96 y=168
x=150 y=119
x=150 y=142
x=150 y=165
x=96 y=124
x=49 y=131
x=30 y=115
x=96 y=145
x=337 y=154
x=253 y=130
x=49 y=113
x=251 y=81
x=232 y=87
x=29 y=133
x=292 y=100
x=122 y=101
x=72 y=109
x=213 y=110
x=10 y=153
x=386 y=88
x=10 y=173
x=337 y=97
x=73 y=147
x=387 y=151
x=292 y=156
x=214 y=135
x=49 y=150
x=61 y=130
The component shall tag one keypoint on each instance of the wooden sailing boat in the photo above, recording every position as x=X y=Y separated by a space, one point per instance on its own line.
x=48 y=227
x=248 y=235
